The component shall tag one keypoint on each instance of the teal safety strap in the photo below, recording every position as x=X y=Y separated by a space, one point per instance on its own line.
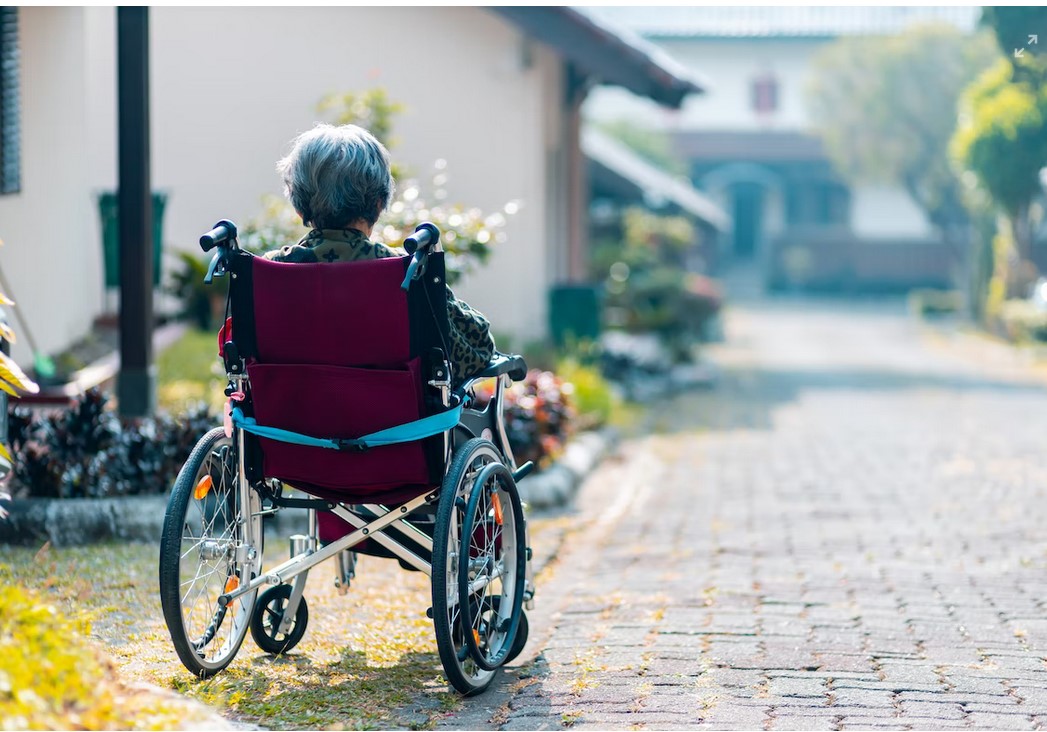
x=409 y=432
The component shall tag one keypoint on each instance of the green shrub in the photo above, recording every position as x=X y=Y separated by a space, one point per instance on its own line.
x=1021 y=321
x=594 y=400
x=201 y=303
x=929 y=303
x=647 y=286
x=86 y=451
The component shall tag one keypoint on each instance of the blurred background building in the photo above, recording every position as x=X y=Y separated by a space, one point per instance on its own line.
x=747 y=143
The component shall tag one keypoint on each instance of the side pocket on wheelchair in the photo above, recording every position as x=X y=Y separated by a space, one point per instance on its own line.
x=342 y=403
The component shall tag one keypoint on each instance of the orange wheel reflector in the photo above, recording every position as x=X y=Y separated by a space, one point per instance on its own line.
x=497 y=503
x=476 y=637
x=232 y=583
x=203 y=487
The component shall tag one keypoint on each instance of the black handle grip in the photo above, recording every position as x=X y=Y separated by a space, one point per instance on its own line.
x=222 y=232
x=425 y=235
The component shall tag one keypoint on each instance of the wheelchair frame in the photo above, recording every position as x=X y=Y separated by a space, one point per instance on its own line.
x=243 y=554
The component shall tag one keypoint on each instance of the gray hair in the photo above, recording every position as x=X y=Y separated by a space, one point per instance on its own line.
x=334 y=176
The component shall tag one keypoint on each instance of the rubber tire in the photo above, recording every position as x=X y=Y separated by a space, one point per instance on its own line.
x=446 y=541
x=280 y=593
x=520 y=641
x=464 y=600
x=170 y=562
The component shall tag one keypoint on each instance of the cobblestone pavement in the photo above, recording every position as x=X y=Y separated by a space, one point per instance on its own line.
x=848 y=532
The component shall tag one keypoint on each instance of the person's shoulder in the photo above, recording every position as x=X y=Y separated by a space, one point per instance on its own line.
x=293 y=253
x=383 y=251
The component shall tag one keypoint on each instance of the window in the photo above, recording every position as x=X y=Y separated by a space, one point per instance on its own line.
x=10 y=103
x=765 y=94
x=818 y=202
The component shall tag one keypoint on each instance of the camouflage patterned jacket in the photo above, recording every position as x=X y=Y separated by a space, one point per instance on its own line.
x=472 y=345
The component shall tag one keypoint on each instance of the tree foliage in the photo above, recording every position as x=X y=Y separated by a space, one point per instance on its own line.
x=1002 y=135
x=886 y=109
x=1012 y=25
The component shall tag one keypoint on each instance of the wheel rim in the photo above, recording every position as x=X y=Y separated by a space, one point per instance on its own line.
x=488 y=584
x=272 y=617
x=270 y=611
x=463 y=660
x=214 y=558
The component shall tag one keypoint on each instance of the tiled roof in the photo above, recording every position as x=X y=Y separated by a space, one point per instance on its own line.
x=780 y=21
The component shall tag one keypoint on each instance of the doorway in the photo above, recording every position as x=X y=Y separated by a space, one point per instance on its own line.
x=747 y=202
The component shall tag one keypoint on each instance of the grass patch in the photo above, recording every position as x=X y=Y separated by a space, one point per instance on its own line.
x=189 y=372
x=368 y=660
x=53 y=677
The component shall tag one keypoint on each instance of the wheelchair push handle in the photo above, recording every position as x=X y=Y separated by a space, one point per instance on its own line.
x=418 y=246
x=222 y=232
x=425 y=236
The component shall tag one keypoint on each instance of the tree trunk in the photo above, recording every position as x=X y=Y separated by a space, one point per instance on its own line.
x=1024 y=275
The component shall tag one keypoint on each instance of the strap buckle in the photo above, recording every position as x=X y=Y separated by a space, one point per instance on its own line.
x=352 y=446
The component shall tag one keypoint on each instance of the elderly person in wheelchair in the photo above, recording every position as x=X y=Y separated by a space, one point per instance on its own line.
x=338 y=179
x=359 y=413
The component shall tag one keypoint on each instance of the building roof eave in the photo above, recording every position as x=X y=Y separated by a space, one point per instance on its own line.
x=609 y=54
x=650 y=180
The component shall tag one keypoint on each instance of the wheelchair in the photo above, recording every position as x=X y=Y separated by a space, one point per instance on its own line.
x=341 y=404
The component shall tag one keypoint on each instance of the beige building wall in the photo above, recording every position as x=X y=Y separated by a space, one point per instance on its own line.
x=232 y=86
x=51 y=256
x=727 y=69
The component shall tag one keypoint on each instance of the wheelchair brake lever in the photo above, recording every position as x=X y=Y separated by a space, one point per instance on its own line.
x=215 y=269
x=414 y=270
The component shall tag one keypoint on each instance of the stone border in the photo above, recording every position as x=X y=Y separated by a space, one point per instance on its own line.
x=78 y=521
x=556 y=485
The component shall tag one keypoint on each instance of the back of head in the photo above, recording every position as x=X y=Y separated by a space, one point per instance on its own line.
x=335 y=176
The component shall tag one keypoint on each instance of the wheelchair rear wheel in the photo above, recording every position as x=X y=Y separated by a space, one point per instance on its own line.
x=211 y=544
x=483 y=544
x=490 y=583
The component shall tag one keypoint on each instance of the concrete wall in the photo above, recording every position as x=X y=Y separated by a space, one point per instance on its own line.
x=887 y=213
x=232 y=86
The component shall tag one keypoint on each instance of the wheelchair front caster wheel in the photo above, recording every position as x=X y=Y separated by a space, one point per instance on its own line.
x=269 y=614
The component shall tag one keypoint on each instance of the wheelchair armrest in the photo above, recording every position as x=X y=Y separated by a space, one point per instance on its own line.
x=503 y=363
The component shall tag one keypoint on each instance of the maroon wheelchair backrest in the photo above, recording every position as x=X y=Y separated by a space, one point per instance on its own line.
x=337 y=351
x=345 y=314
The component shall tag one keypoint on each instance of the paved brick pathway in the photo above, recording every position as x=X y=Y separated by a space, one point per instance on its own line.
x=849 y=532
